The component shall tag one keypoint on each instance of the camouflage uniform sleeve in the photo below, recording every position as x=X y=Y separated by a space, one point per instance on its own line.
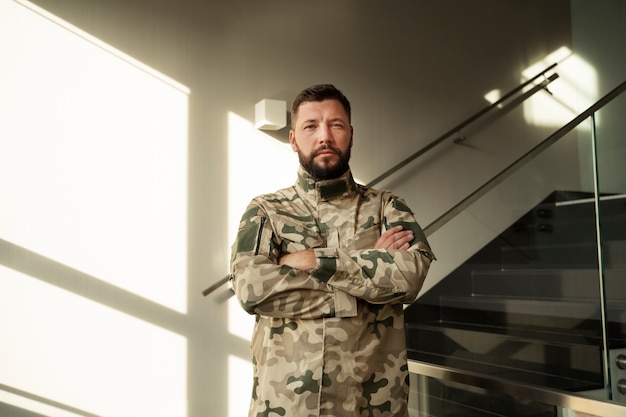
x=265 y=288
x=380 y=275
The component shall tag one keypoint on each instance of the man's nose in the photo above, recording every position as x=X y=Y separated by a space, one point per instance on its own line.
x=325 y=135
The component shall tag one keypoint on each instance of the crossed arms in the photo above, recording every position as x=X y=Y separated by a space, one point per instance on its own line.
x=308 y=281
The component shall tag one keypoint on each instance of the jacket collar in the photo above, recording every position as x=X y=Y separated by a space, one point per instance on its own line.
x=327 y=189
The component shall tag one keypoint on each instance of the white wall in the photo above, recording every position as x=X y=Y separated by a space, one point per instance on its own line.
x=599 y=37
x=411 y=68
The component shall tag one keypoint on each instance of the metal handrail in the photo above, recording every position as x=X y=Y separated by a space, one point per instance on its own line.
x=505 y=173
x=459 y=127
x=540 y=86
x=537 y=393
x=216 y=285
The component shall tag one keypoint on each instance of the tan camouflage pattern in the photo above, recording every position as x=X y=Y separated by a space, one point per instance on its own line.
x=330 y=342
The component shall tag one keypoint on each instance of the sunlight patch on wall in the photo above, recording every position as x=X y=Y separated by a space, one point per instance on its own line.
x=557 y=56
x=77 y=352
x=240 y=323
x=239 y=386
x=93 y=156
x=570 y=94
x=257 y=164
x=493 y=96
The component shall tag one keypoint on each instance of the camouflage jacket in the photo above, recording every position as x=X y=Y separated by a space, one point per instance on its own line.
x=328 y=342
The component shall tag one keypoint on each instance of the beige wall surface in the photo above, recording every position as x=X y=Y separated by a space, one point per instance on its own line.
x=412 y=70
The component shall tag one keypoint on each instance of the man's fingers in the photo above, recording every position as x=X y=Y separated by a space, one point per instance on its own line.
x=395 y=238
x=403 y=241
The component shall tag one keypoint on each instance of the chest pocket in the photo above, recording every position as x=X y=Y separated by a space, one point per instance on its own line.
x=294 y=235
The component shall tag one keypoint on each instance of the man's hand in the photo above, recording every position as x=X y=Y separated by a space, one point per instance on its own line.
x=395 y=238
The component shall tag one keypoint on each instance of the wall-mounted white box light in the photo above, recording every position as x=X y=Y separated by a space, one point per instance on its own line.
x=270 y=114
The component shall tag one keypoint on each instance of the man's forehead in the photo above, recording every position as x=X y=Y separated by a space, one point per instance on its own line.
x=317 y=109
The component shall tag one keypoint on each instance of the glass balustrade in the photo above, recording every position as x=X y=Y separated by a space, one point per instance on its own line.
x=543 y=303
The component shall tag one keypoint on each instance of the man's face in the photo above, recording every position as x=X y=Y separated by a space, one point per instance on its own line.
x=322 y=137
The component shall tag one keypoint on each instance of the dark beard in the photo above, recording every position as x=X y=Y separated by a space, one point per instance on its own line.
x=324 y=172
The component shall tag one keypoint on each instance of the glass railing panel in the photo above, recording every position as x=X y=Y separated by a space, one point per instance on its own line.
x=526 y=306
x=610 y=142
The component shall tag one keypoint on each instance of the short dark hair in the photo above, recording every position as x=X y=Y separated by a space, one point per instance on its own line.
x=320 y=92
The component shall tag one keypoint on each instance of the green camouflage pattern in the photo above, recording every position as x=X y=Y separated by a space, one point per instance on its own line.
x=328 y=342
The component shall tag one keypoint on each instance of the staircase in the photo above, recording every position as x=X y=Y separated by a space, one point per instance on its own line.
x=527 y=307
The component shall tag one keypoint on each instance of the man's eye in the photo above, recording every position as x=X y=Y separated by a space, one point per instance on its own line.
x=336 y=125
x=308 y=127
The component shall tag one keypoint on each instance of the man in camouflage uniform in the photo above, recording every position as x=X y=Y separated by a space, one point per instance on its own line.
x=326 y=266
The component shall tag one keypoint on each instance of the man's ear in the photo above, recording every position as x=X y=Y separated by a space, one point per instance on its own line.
x=292 y=141
x=351 y=136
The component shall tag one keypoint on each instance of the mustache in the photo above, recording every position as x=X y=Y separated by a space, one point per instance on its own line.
x=326 y=148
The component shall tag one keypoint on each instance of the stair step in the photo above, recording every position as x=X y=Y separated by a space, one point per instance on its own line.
x=537 y=283
x=558 y=317
x=553 y=314
x=575 y=255
x=559 y=361
x=524 y=375
x=483 y=339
